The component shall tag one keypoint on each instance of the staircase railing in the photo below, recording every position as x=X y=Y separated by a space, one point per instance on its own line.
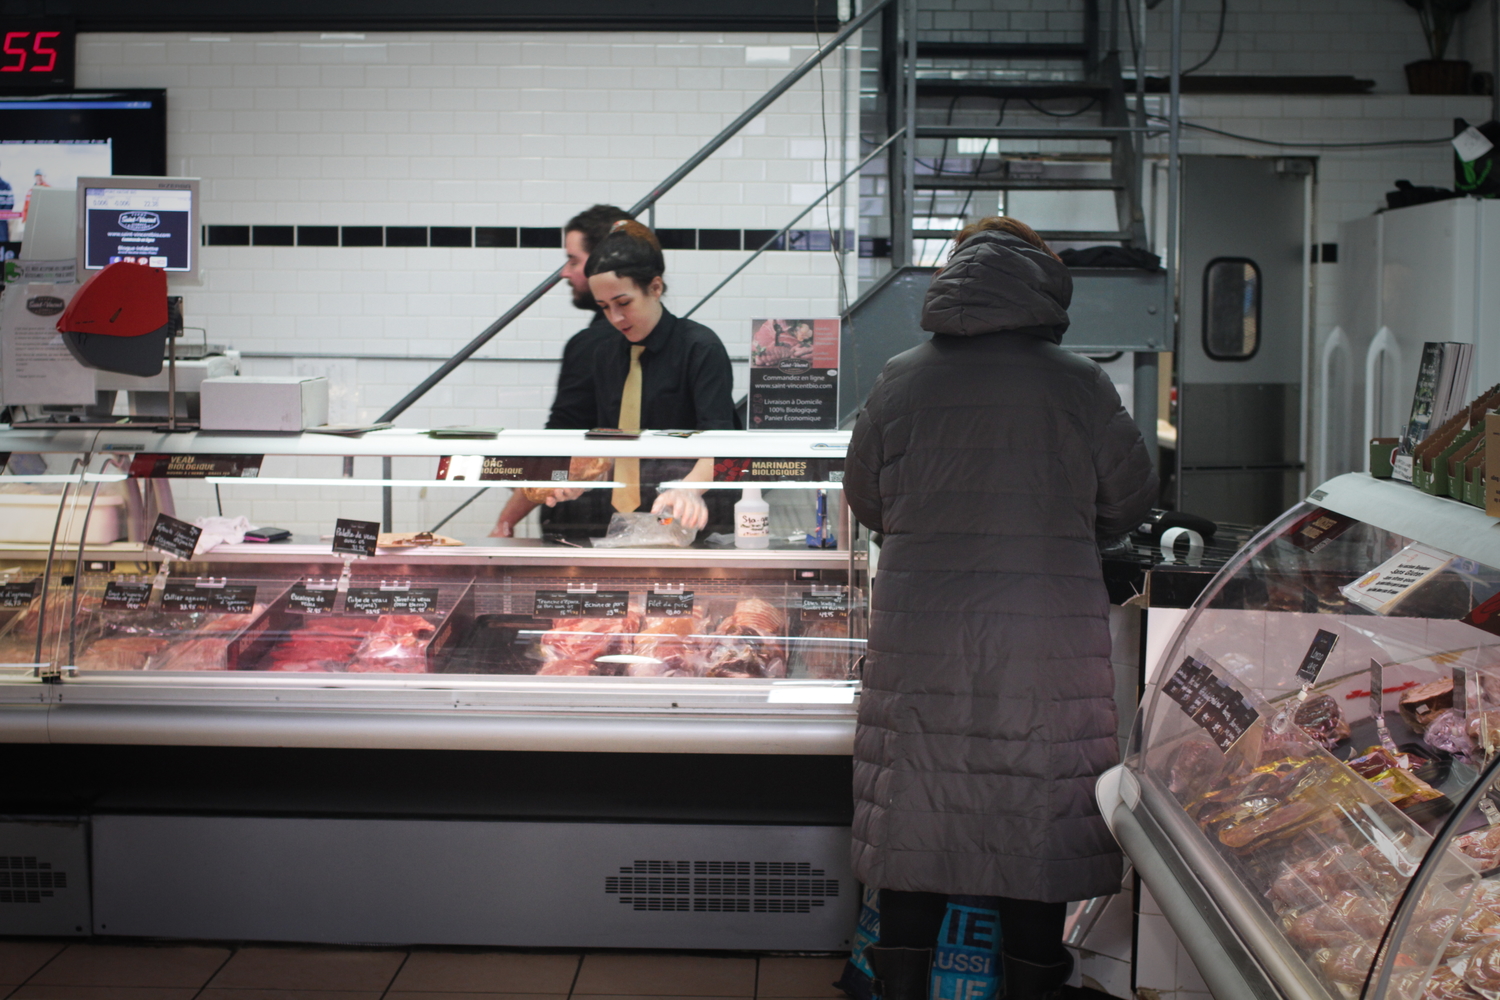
x=688 y=166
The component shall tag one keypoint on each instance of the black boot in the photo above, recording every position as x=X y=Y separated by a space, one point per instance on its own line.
x=900 y=973
x=1029 y=981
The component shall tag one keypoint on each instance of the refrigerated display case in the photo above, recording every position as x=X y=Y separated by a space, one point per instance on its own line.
x=1312 y=792
x=504 y=661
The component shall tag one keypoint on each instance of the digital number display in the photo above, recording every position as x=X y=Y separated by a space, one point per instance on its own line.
x=36 y=53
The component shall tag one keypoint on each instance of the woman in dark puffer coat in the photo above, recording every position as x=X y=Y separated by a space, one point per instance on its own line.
x=991 y=459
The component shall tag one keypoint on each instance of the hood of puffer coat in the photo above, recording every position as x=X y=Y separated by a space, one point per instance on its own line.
x=998 y=282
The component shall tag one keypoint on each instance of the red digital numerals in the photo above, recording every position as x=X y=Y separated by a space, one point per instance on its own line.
x=21 y=52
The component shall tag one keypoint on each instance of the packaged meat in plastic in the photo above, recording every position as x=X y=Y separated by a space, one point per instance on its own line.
x=1320 y=880
x=1195 y=767
x=1482 y=845
x=1449 y=731
x=1349 y=964
x=824 y=650
x=1480 y=969
x=1421 y=704
x=1309 y=932
x=1484 y=730
x=588 y=638
x=1445 y=984
x=1323 y=720
x=397 y=645
x=205 y=649
x=1373 y=762
x=754 y=644
x=671 y=647
x=645 y=530
x=1403 y=789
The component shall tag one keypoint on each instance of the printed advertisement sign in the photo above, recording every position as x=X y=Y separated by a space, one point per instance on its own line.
x=794 y=374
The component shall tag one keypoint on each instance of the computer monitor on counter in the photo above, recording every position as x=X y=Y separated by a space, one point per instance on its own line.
x=152 y=221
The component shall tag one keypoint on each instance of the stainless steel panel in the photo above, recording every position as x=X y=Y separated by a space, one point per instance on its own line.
x=1237 y=424
x=593 y=885
x=423 y=729
x=1237 y=206
x=1240 y=496
x=1112 y=310
x=44 y=877
x=1117 y=310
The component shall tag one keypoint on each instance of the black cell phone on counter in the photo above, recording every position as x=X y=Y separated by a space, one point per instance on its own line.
x=611 y=433
x=267 y=535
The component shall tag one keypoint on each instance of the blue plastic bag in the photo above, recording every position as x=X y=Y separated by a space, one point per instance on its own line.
x=858 y=978
x=966 y=964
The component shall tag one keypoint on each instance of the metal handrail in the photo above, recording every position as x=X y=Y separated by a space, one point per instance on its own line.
x=800 y=216
x=531 y=297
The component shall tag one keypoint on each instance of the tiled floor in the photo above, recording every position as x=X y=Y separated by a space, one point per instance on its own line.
x=61 y=970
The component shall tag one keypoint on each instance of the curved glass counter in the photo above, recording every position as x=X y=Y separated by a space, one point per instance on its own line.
x=1313 y=788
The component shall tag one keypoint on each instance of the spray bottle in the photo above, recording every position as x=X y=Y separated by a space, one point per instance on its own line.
x=752 y=520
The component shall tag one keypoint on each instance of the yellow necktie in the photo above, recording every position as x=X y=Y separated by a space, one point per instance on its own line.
x=628 y=470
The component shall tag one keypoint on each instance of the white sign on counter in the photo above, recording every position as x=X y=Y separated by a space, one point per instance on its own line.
x=35 y=366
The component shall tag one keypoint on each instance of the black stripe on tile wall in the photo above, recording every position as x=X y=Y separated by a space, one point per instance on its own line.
x=718 y=239
x=362 y=236
x=542 y=239
x=495 y=236
x=677 y=239
x=272 y=236
x=317 y=236
x=507 y=237
x=406 y=236
x=228 y=236
x=451 y=236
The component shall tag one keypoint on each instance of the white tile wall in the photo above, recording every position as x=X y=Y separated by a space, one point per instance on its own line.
x=473 y=129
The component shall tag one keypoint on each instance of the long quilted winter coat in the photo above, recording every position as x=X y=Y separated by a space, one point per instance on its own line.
x=990 y=458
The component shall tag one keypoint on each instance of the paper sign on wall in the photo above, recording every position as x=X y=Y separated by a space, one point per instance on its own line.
x=35 y=366
x=794 y=374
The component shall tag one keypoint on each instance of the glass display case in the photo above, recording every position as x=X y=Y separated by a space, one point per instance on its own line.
x=1311 y=791
x=378 y=621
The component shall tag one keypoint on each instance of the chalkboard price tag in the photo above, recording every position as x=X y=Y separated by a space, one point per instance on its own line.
x=369 y=601
x=1219 y=709
x=558 y=604
x=185 y=596
x=1317 y=656
x=606 y=604
x=127 y=596
x=417 y=601
x=17 y=595
x=824 y=607
x=670 y=605
x=355 y=538
x=174 y=537
x=306 y=600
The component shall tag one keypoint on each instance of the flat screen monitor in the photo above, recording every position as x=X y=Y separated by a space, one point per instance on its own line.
x=150 y=221
x=50 y=140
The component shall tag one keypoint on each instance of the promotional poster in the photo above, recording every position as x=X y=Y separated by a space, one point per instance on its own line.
x=794 y=370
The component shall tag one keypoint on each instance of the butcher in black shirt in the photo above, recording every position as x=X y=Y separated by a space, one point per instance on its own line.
x=574 y=403
x=682 y=376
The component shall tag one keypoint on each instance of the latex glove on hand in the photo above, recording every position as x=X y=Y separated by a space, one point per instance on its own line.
x=559 y=495
x=686 y=506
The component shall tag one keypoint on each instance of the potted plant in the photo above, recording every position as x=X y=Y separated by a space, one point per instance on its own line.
x=1438 y=75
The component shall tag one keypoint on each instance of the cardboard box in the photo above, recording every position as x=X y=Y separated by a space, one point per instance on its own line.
x=1382 y=454
x=264 y=403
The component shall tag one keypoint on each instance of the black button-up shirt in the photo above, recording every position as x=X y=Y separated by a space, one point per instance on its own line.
x=573 y=406
x=686 y=381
